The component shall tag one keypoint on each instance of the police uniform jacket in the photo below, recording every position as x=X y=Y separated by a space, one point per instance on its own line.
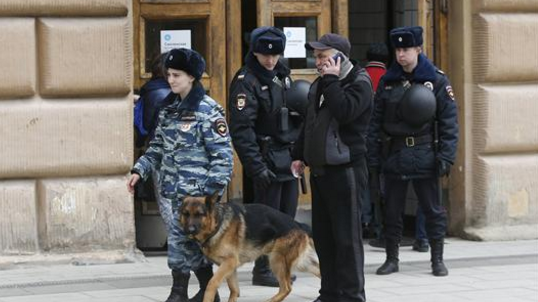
x=262 y=127
x=336 y=120
x=390 y=139
x=191 y=148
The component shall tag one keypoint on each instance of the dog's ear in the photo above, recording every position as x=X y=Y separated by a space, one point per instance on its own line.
x=211 y=200
x=183 y=204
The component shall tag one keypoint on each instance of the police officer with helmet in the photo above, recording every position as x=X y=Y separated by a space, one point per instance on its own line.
x=412 y=137
x=264 y=124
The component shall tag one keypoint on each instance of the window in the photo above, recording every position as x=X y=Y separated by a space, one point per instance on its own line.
x=311 y=25
x=152 y=38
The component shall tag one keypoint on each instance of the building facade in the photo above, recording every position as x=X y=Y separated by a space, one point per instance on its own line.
x=70 y=69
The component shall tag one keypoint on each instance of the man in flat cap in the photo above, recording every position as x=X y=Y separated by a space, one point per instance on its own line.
x=264 y=127
x=333 y=145
x=413 y=138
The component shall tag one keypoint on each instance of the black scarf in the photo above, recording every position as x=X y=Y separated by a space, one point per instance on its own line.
x=265 y=76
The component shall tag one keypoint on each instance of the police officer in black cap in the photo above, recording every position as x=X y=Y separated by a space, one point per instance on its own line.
x=413 y=137
x=264 y=126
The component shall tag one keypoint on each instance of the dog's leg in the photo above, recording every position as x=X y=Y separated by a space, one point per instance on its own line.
x=312 y=258
x=233 y=285
x=226 y=268
x=281 y=268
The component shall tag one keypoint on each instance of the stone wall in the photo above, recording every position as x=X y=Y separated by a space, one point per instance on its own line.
x=499 y=89
x=66 y=126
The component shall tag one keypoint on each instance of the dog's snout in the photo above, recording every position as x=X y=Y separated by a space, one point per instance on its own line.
x=192 y=229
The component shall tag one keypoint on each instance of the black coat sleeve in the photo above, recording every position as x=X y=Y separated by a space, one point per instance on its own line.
x=447 y=117
x=298 y=148
x=242 y=126
x=346 y=105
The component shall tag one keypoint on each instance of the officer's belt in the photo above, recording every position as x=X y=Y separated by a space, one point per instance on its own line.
x=400 y=142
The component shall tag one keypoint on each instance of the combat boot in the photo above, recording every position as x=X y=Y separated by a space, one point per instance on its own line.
x=204 y=274
x=438 y=267
x=391 y=264
x=180 y=287
x=262 y=274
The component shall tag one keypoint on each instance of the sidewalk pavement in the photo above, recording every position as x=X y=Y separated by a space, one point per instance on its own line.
x=478 y=271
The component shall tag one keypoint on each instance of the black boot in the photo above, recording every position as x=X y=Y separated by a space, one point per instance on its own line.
x=204 y=274
x=438 y=267
x=180 y=286
x=262 y=274
x=391 y=264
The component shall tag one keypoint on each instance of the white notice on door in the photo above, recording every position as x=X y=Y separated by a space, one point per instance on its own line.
x=295 y=40
x=171 y=39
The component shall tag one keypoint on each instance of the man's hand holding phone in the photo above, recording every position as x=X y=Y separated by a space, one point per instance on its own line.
x=332 y=66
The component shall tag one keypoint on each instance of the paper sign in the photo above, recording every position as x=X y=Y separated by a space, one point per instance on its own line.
x=175 y=39
x=295 y=40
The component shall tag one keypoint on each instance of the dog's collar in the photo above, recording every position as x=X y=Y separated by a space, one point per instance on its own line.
x=217 y=229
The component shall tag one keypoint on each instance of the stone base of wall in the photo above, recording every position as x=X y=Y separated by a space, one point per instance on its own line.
x=130 y=255
x=501 y=233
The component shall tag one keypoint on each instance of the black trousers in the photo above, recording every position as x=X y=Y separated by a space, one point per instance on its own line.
x=281 y=196
x=428 y=197
x=337 y=231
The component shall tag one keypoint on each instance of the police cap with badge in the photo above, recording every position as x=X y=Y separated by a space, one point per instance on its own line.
x=187 y=60
x=405 y=37
x=267 y=40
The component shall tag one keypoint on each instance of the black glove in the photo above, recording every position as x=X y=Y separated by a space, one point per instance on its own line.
x=263 y=179
x=443 y=168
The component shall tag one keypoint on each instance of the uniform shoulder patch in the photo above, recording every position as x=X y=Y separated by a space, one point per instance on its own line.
x=241 y=101
x=221 y=127
x=450 y=92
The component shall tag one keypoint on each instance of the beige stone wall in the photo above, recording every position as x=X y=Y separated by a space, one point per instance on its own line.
x=495 y=70
x=66 y=126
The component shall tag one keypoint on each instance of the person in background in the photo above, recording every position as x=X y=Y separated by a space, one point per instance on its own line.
x=333 y=145
x=192 y=151
x=413 y=138
x=421 y=236
x=153 y=96
x=264 y=128
x=377 y=57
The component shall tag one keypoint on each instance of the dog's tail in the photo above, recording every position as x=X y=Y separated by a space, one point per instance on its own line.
x=308 y=260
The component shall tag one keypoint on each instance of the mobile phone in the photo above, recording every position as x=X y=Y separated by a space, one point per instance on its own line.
x=338 y=55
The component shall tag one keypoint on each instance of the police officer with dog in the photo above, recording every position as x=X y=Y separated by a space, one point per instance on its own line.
x=264 y=125
x=413 y=138
x=192 y=151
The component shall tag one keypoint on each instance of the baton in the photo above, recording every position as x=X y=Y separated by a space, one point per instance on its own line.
x=302 y=181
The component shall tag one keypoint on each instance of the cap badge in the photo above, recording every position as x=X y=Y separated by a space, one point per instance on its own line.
x=400 y=39
x=270 y=46
x=170 y=58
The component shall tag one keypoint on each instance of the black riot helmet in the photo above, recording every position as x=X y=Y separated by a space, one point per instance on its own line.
x=297 y=96
x=418 y=105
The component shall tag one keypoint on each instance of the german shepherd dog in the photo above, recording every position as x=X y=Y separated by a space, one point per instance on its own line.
x=231 y=235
